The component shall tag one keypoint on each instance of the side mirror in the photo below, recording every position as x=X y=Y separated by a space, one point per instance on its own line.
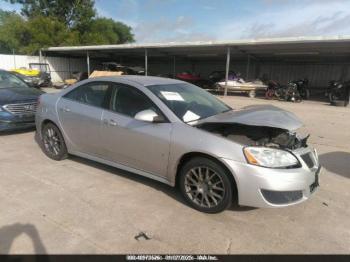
x=149 y=115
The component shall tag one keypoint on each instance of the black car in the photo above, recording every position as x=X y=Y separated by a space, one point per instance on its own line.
x=18 y=102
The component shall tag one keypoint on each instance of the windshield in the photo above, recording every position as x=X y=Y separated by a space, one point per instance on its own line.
x=8 y=80
x=189 y=102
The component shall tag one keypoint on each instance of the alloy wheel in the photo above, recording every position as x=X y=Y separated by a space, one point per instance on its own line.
x=204 y=187
x=52 y=142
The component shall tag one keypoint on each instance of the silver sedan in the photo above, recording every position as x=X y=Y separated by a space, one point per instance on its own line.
x=181 y=135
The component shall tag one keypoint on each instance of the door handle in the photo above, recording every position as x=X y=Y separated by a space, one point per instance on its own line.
x=66 y=109
x=112 y=122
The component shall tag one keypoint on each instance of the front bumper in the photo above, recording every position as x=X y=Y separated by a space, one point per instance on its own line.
x=16 y=123
x=269 y=187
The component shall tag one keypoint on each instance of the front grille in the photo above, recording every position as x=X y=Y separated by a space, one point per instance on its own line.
x=308 y=159
x=22 y=108
x=282 y=197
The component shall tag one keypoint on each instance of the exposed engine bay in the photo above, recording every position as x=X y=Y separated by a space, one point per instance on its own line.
x=249 y=135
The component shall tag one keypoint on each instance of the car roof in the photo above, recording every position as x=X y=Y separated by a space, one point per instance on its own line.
x=143 y=80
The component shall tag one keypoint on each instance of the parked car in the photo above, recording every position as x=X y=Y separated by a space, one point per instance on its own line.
x=32 y=81
x=181 y=135
x=194 y=79
x=18 y=102
x=127 y=70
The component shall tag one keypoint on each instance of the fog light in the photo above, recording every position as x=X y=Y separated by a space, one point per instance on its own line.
x=282 y=197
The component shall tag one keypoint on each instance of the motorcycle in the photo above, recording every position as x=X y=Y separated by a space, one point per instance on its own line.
x=287 y=93
x=303 y=88
x=338 y=93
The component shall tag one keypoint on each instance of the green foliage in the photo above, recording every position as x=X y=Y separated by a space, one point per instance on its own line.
x=73 y=13
x=12 y=31
x=47 y=31
x=45 y=23
x=104 y=30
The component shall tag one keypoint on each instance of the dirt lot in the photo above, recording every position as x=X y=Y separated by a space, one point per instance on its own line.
x=77 y=206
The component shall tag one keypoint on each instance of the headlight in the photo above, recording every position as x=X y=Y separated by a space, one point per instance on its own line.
x=270 y=157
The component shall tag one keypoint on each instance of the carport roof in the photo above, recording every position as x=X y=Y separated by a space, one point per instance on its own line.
x=337 y=46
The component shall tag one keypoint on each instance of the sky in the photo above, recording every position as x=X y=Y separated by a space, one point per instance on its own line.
x=155 y=21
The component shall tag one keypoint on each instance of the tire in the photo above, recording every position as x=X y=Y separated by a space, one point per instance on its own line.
x=269 y=94
x=339 y=103
x=200 y=193
x=252 y=94
x=53 y=143
x=307 y=94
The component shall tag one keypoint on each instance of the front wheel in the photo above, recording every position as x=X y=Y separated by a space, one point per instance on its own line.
x=53 y=143
x=206 y=185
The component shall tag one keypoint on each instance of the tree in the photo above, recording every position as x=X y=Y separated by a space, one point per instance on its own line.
x=45 y=23
x=44 y=31
x=74 y=13
x=107 y=31
x=12 y=31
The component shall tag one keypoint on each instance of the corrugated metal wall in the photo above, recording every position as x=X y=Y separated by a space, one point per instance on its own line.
x=61 y=67
x=319 y=74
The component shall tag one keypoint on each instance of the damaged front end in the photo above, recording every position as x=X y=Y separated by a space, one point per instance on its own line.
x=262 y=125
x=248 y=135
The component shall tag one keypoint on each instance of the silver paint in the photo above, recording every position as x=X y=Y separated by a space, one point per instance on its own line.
x=156 y=149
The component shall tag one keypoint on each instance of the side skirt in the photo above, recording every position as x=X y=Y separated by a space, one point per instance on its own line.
x=126 y=168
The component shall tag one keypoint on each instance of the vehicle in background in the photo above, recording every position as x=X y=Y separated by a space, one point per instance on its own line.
x=194 y=79
x=237 y=84
x=287 y=92
x=126 y=70
x=217 y=76
x=41 y=71
x=179 y=134
x=338 y=93
x=32 y=81
x=303 y=88
x=18 y=102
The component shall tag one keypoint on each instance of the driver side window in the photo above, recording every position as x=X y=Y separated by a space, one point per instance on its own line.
x=129 y=101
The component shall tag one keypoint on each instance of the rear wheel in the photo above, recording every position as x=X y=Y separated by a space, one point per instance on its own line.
x=53 y=143
x=206 y=185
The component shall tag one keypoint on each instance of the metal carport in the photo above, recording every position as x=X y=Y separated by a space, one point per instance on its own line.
x=255 y=54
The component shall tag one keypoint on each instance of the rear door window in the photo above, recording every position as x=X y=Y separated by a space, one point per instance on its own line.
x=94 y=94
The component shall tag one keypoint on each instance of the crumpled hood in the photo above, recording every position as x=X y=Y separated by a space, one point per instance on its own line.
x=13 y=95
x=259 y=115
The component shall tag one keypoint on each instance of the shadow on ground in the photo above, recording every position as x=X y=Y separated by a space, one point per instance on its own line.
x=172 y=192
x=9 y=233
x=336 y=162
